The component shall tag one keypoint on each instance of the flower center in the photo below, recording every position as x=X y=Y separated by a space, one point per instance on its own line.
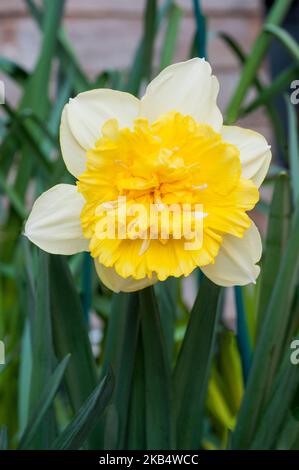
x=173 y=165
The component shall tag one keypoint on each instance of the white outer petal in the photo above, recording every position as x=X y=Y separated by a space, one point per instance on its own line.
x=54 y=222
x=255 y=153
x=187 y=87
x=72 y=152
x=116 y=283
x=83 y=118
x=235 y=264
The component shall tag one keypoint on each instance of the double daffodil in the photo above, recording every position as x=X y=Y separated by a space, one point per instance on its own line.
x=169 y=147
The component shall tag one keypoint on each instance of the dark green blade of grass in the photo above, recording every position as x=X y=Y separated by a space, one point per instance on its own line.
x=70 y=334
x=135 y=436
x=44 y=403
x=167 y=296
x=3 y=438
x=158 y=401
x=261 y=89
x=136 y=73
x=171 y=36
x=293 y=149
x=13 y=70
x=42 y=350
x=278 y=406
x=82 y=425
x=67 y=55
x=276 y=239
x=285 y=38
x=277 y=13
x=193 y=366
x=268 y=350
x=120 y=354
x=279 y=85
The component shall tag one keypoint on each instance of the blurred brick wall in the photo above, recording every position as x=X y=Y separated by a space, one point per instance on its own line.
x=105 y=34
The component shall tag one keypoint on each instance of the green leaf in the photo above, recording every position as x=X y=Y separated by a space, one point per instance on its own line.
x=136 y=437
x=82 y=425
x=13 y=197
x=149 y=37
x=171 y=36
x=293 y=150
x=167 y=296
x=45 y=402
x=269 y=346
x=67 y=55
x=158 y=403
x=70 y=333
x=13 y=70
x=285 y=38
x=278 y=405
x=200 y=34
x=137 y=69
x=120 y=355
x=3 y=438
x=193 y=366
x=267 y=93
x=277 y=235
x=262 y=89
x=257 y=53
x=24 y=378
x=42 y=348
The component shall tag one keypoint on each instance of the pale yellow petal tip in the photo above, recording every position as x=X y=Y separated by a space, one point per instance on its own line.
x=117 y=283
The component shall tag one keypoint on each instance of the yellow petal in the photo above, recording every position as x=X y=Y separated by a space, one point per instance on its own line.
x=255 y=153
x=54 y=222
x=236 y=261
x=187 y=87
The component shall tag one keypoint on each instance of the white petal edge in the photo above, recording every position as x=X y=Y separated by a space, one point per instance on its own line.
x=54 y=222
x=187 y=87
x=72 y=152
x=116 y=283
x=235 y=264
x=83 y=118
x=255 y=153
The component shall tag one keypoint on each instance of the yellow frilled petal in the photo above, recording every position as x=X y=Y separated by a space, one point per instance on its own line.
x=174 y=160
x=158 y=261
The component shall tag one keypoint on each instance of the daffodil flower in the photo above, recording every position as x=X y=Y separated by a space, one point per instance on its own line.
x=169 y=147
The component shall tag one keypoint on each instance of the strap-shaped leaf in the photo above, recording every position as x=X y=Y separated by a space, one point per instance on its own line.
x=193 y=366
x=45 y=401
x=158 y=403
x=70 y=333
x=3 y=438
x=82 y=425
x=120 y=354
x=277 y=235
x=268 y=352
